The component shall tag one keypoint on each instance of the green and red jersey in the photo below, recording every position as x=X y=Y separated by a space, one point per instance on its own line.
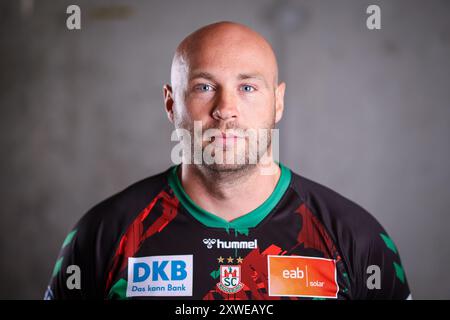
x=151 y=241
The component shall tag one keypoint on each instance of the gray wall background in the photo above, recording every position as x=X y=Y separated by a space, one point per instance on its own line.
x=81 y=115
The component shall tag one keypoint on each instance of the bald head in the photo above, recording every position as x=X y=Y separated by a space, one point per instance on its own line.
x=225 y=77
x=224 y=46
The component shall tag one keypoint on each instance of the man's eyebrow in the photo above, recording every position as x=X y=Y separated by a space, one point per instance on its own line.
x=257 y=76
x=201 y=74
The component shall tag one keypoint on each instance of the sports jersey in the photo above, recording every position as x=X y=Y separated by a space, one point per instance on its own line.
x=152 y=241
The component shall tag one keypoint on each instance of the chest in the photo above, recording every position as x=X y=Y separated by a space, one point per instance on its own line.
x=286 y=257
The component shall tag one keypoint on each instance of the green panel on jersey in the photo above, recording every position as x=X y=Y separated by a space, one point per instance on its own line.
x=118 y=290
x=389 y=243
x=57 y=267
x=215 y=273
x=249 y=220
x=69 y=238
x=399 y=272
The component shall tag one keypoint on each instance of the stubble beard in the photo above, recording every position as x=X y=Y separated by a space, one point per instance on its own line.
x=225 y=169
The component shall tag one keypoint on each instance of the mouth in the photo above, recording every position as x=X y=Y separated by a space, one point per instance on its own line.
x=226 y=138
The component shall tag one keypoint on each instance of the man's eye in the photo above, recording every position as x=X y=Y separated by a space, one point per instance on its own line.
x=203 y=87
x=247 y=88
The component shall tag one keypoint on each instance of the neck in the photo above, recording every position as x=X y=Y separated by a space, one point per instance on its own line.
x=229 y=194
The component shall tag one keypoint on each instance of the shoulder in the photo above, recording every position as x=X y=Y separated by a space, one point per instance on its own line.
x=93 y=240
x=96 y=235
x=118 y=209
x=361 y=240
x=336 y=210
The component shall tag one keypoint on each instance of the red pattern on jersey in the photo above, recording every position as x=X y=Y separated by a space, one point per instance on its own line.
x=314 y=235
x=135 y=235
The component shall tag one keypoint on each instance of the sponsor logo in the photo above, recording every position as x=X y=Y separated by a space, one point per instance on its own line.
x=298 y=276
x=230 y=279
x=160 y=276
x=209 y=242
x=219 y=244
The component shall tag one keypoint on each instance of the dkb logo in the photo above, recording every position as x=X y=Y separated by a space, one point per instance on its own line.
x=160 y=276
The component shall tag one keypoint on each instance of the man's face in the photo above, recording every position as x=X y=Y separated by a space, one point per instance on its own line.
x=229 y=86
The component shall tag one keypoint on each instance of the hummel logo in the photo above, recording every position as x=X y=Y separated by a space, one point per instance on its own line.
x=209 y=242
x=230 y=244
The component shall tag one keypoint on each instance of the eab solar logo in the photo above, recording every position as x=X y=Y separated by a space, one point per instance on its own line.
x=160 y=276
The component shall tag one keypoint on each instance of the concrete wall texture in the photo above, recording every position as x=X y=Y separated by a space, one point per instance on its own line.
x=82 y=116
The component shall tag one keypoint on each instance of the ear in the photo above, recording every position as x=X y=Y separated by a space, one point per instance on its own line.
x=168 y=101
x=279 y=101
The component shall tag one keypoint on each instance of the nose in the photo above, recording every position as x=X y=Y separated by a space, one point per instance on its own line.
x=226 y=107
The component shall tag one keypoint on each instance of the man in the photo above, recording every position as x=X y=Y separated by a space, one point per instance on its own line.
x=227 y=229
